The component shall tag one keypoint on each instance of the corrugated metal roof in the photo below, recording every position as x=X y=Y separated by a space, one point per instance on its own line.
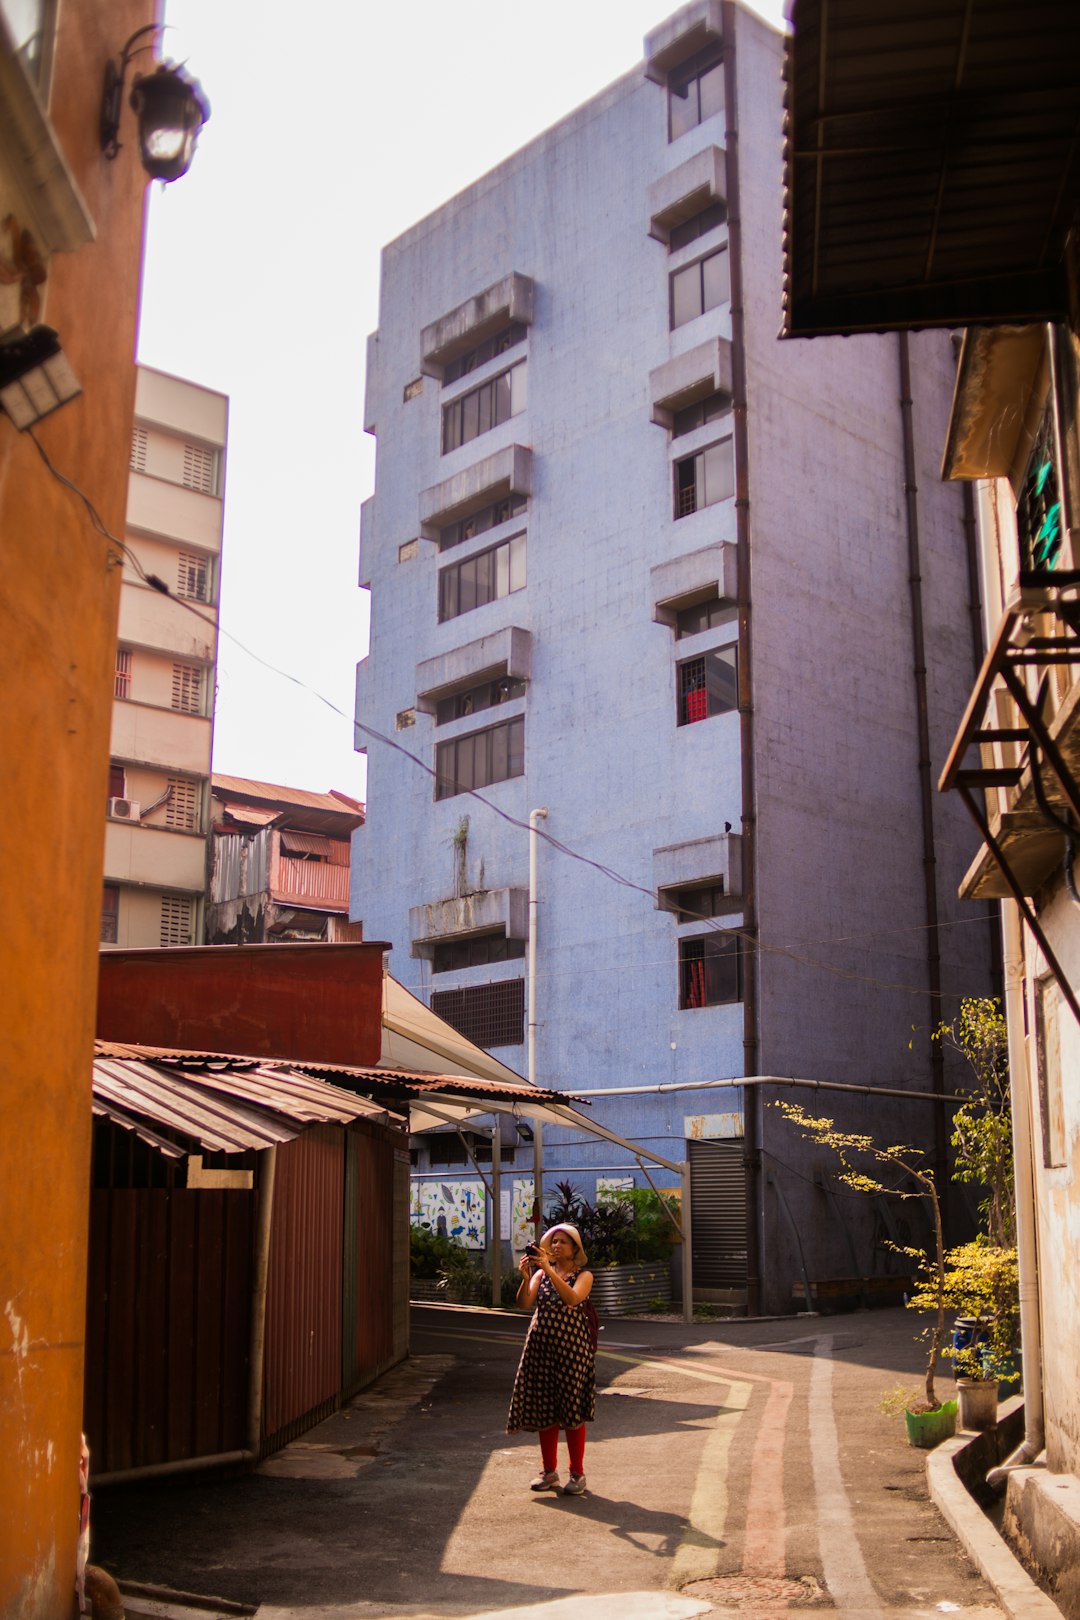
x=931 y=162
x=226 y=1104
x=274 y=793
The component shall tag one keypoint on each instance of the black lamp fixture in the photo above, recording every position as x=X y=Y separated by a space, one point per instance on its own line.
x=35 y=376
x=169 y=104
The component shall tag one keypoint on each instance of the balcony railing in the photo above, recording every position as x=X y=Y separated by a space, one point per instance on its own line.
x=311 y=883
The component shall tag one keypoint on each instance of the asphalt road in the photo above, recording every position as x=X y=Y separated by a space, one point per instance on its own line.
x=745 y=1466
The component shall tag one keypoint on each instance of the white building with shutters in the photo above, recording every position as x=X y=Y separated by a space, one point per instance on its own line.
x=163 y=706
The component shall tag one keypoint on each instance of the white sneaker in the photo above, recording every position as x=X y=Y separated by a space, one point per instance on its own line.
x=545 y=1482
x=575 y=1485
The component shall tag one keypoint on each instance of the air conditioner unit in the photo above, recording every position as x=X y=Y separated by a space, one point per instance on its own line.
x=124 y=809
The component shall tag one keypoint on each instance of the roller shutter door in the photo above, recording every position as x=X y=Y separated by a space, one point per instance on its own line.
x=718 y=1213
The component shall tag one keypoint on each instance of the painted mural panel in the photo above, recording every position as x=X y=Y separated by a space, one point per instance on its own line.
x=454 y=1209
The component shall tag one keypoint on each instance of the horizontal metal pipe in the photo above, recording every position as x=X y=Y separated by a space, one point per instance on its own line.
x=181 y=1465
x=771 y=1080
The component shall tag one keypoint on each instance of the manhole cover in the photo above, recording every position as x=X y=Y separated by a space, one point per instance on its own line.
x=790 y=1592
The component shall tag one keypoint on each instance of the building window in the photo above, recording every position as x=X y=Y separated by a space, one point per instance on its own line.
x=708 y=615
x=182 y=805
x=477 y=698
x=487 y=1014
x=193 y=576
x=116 y=782
x=412 y=390
x=122 y=677
x=709 y=971
x=1038 y=510
x=199 y=468
x=704 y=479
x=488 y=517
x=484 y=408
x=177 y=920
x=699 y=286
x=404 y=719
x=508 y=338
x=696 y=415
x=452 y=955
x=110 y=914
x=709 y=218
x=187 y=688
x=483 y=578
x=446 y=1149
x=483 y=757
x=139 y=443
x=708 y=685
x=695 y=92
x=699 y=901
x=31 y=26
x=408 y=550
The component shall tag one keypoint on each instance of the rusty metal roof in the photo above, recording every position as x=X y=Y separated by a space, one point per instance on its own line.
x=932 y=162
x=226 y=1104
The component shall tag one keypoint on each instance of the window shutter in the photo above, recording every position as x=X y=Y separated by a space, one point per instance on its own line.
x=187 y=688
x=177 y=920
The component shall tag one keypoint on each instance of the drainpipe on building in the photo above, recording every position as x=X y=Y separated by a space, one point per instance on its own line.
x=926 y=786
x=1026 y=1228
x=535 y=816
x=752 y=1116
x=978 y=651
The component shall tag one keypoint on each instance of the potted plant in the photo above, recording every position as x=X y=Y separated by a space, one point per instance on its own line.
x=981 y=1285
x=930 y=1420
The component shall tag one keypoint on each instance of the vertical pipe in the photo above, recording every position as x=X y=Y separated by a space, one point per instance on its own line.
x=752 y=1116
x=496 y=1215
x=978 y=651
x=538 y=1130
x=926 y=786
x=687 y=1245
x=257 y=1342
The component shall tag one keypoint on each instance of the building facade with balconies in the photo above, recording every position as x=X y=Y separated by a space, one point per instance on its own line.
x=280 y=864
x=156 y=849
x=694 y=594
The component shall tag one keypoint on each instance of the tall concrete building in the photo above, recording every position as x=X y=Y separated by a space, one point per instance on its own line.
x=158 y=808
x=693 y=592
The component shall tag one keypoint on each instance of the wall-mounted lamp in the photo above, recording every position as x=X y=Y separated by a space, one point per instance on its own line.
x=169 y=104
x=35 y=376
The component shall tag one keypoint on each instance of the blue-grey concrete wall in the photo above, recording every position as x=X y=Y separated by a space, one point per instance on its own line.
x=840 y=891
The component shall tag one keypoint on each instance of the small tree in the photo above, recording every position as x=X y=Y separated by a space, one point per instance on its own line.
x=851 y=1145
x=982 y=1126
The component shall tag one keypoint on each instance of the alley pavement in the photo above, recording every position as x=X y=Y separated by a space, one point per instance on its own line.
x=734 y=1469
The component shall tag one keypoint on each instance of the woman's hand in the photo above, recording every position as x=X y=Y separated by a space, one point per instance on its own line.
x=525 y=1267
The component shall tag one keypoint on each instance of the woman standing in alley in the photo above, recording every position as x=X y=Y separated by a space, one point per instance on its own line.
x=555 y=1387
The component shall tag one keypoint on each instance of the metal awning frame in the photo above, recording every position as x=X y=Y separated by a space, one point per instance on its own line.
x=1015 y=648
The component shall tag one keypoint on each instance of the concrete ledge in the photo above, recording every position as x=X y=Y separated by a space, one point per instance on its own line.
x=502 y=910
x=683 y=192
x=504 y=652
x=507 y=472
x=689 y=377
x=946 y=1468
x=699 y=861
x=681 y=36
x=510 y=299
x=1042 y=1521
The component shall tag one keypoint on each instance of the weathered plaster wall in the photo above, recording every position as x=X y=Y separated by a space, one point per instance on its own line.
x=57 y=641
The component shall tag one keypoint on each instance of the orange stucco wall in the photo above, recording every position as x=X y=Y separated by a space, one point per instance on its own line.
x=58 y=603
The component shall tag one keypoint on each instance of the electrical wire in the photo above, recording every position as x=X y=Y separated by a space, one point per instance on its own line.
x=155 y=582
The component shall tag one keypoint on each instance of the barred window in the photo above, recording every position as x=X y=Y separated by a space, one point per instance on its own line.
x=122 y=678
x=708 y=685
x=480 y=758
x=487 y=1014
x=489 y=575
x=182 y=806
x=193 y=576
x=484 y=408
x=110 y=914
x=177 y=920
x=187 y=688
x=709 y=971
x=704 y=479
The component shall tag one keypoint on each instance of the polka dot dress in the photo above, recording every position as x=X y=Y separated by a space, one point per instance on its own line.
x=556 y=1376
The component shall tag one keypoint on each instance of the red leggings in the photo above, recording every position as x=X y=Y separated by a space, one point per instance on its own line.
x=575 y=1445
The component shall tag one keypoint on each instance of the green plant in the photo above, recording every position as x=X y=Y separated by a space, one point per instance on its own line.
x=851 y=1145
x=982 y=1126
x=623 y=1227
x=658 y=1305
x=901 y=1398
x=439 y=1259
x=981 y=1281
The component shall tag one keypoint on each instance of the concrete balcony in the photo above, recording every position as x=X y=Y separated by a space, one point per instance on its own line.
x=159 y=507
x=148 y=619
x=156 y=857
x=149 y=736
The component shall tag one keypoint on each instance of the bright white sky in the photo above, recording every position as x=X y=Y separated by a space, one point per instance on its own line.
x=331 y=132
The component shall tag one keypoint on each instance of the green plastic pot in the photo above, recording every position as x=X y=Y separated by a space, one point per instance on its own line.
x=928 y=1429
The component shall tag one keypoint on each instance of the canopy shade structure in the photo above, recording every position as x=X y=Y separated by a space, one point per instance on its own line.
x=413 y=1037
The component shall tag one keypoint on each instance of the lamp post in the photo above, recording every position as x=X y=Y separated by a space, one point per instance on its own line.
x=169 y=104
